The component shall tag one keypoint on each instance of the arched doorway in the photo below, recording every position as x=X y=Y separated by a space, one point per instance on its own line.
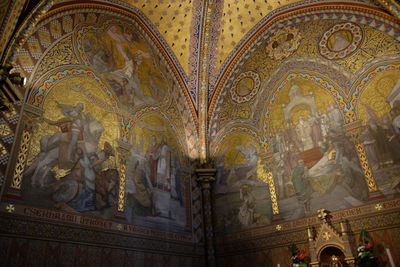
x=326 y=254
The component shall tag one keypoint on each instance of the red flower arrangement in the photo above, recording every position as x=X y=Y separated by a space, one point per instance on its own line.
x=301 y=256
x=297 y=256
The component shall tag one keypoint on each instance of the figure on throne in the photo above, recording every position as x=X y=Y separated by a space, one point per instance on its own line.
x=303 y=130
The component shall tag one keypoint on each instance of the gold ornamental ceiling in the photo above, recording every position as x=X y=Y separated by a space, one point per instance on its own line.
x=173 y=20
x=238 y=17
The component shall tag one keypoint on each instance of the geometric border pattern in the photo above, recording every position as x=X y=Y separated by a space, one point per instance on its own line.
x=348 y=12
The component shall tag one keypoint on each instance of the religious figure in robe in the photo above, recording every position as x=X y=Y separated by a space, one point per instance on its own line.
x=301 y=185
x=303 y=129
x=152 y=155
x=246 y=210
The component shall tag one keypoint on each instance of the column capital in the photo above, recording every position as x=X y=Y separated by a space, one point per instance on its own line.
x=354 y=131
x=265 y=159
x=123 y=150
x=205 y=176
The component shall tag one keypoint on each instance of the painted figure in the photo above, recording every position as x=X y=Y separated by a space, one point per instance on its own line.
x=164 y=165
x=86 y=198
x=301 y=185
x=59 y=149
x=87 y=187
x=340 y=40
x=119 y=55
x=303 y=130
x=152 y=155
x=246 y=210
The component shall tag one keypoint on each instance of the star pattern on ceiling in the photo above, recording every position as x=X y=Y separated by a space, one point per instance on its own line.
x=239 y=17
x=172 y=19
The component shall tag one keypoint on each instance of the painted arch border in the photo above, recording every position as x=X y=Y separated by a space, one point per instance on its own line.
x=150 y=33
x=327 y=85
x=355 y=12
x=236 y=128
x=365 y=78
x=50 y=79
x=37 y=19
x=180 y=92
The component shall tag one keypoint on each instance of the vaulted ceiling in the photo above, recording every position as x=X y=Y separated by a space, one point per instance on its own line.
x=243 y=83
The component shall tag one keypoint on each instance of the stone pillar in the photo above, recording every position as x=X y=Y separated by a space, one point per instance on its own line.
x=354 y=131
x=205 y=178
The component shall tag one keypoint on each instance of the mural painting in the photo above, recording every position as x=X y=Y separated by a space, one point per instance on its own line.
x=379 y=110
x=72 y=160
x=75 y=154
x=123 y=58
x=241 y=199
x=157 y=175
x=340 y=40
x=315 y=163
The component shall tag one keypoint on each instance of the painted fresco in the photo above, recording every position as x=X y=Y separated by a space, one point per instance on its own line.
x=94 y=121
x=124 y=59
x=157 y=176
x=315 y=164
x=72 y=160
x=241 y=198
x=379 y=109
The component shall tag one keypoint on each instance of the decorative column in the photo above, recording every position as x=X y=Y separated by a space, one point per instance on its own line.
x=123 y=152
x=354 y=131
x=203 y=78
x=16 y=165
x=264 y=173
x=205 y=178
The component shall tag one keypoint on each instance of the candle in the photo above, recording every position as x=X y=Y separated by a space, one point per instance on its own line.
x=279 y=265
x=390 y=257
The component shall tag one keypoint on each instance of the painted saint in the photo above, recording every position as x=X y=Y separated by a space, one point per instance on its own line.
x=315 y=163
x=122 y=57
x=241 y=197
x=85 y=185
x=340 y=40
x=155 y=188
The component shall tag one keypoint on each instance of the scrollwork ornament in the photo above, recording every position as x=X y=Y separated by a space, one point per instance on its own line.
x=21 y=159
x=366 y=168
x=121 y=189
x=267 y=177
x=355 y=137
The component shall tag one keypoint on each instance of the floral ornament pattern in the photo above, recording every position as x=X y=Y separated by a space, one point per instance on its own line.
x=283 y=43
x=340 y=41
x=245 y=87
